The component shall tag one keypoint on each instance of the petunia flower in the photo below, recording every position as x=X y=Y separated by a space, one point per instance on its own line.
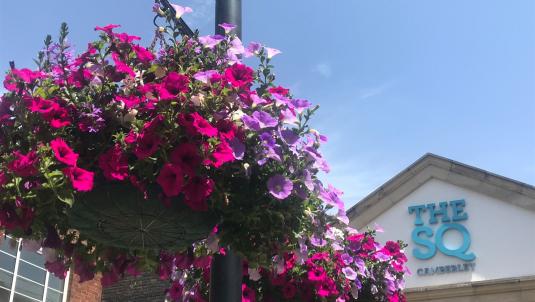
x=108 y=28
x=205 y=76
x=81 y=180
x=186 y=155
x=259 y=120
x=222 y=154
x=63 y=152
x=176 y=83
x=227 y=27
x=211 y=41
x=196 y=191
x=24 y=165
x=143 y=54
x=316 y=273
x=171 y=179
x=239 y=75
x=349 y=273
x=114 y=164
x=248 y=294
x=181 y=10
x=271 y=52
x=279 y=186
x=252 y=49
x=147 y=144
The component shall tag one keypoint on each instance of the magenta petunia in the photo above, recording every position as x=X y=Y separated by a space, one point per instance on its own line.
x=239 y=75
x=171 y=179
x=81 y=180
x=186 y=155
x=58 y=268
x=147 y=143
x=126 y=38
x=3 y=178
x=42 y=106
x=202 y=126
x=108 y=28
x=58 y=118
x=114 y=164
x=121 y=66
x=248 y=294
x=176 y=83
x=316 y=273
x=129 y=102
x=143 y=54
x=63 y=152
x=24 y=165
x=196 y=191
x=222 y=154
x=279 y=186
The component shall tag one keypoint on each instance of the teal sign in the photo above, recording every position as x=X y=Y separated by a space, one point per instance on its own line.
x=446 y=215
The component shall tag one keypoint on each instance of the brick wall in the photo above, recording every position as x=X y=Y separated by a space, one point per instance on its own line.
x=144 y=288
x=89 y=291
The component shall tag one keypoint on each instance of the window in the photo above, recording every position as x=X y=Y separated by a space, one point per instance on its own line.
x=23 y=277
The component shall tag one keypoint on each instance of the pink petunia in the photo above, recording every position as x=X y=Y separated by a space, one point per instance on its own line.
x=176 y=83
x=143 y=54
x=171 y=179
x=63 y=152
x=248 y=294
x=197 y=191
x=121 y=66
x=81 y=180
x=114 y=164
x=239 y=75
x=186 y=155
x=147 y=144
x=24 y=165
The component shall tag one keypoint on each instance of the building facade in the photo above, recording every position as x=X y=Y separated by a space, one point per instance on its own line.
x=470 y=233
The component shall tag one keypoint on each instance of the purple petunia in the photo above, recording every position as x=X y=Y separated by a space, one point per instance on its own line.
x=271 y=52
x=289 y=136
x=259 y=120
x=204 y=76
x=349 y=273
x=279 y=186
x=331 y=196
x=211 y=41
x=181 y=10
x=317 y=241
x=227 y=27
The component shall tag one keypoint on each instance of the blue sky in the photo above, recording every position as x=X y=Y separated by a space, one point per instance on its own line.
x=395 y=79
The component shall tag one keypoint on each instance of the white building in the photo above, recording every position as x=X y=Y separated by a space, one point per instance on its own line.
x=470 y=233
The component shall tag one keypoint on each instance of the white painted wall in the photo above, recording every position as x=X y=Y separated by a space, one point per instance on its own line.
x=503 y=235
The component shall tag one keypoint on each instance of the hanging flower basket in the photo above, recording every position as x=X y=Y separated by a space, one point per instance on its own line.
x=128 y=158
x=119 y=216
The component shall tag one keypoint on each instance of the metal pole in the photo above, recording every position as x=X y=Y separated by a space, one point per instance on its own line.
x=226 y=271
x=226 y=278
x=228 y=11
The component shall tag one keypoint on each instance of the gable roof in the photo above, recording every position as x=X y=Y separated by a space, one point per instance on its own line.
x=431 y=166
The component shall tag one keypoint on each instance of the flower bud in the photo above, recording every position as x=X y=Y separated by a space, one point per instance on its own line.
x=130 y=116
x=198 y=99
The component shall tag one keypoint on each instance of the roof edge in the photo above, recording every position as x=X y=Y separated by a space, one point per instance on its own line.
x=428 y=159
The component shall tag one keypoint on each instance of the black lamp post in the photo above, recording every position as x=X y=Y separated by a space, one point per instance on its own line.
x=226 y=271
x=228 y=11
